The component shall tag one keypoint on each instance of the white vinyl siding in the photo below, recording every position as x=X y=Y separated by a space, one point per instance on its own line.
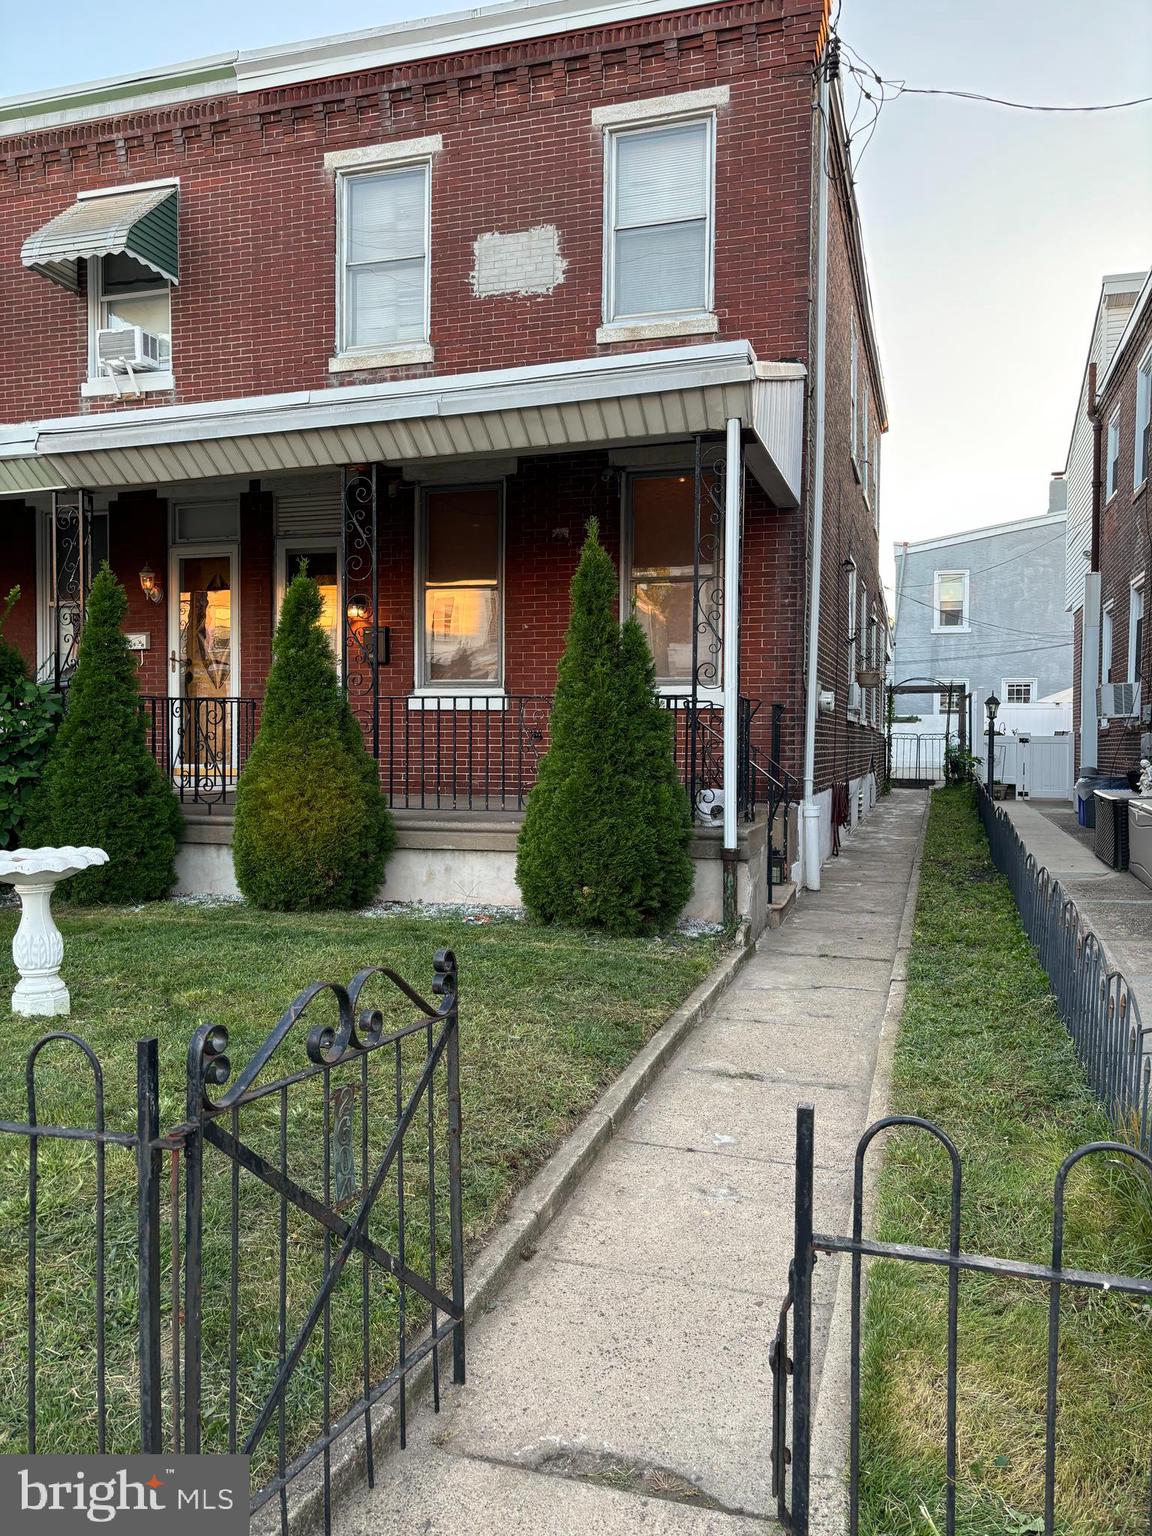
x=384 y=240
x=660 y=235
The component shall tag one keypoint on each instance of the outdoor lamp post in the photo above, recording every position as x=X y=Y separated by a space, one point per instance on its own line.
x=991 y=705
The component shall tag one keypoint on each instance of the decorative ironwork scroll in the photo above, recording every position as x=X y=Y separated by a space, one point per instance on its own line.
x=70 y=550
x=358 y=650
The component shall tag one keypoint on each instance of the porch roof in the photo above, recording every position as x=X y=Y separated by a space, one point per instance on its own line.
x=586 y=403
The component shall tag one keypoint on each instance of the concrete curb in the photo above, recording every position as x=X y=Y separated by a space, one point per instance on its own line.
x=530 y=1214
x=830 y=1418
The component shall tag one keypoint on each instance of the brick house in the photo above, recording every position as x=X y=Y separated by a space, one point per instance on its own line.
x=413 y=304
x=1110 y=545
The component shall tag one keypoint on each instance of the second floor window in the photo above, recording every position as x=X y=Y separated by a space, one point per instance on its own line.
x=1112 y=473
x=384 y=258
x=1142 y=464
x=951 y=607
x=124 y=294
x=659 y=236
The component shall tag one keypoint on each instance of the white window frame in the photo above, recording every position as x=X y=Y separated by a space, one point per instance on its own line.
x=853 y=642
x=1031 y=683
x=682 y=688
x=961 y=686
x=864 y=464
x=662 y=321
x=1107 y=637
x=854 y=391
x=1112 y=460
x=875 y=481
x=965 y=626
x=1135 y=601
x=319 y=541
x=443 y=691
x=1143 y=415
x=372 y=161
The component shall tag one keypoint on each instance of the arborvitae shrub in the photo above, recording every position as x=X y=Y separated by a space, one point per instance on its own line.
x=604 y=840
x=312 y=829
x=101 y=786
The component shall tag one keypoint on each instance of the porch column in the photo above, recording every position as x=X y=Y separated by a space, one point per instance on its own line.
x=70 y=577
x=733 y=511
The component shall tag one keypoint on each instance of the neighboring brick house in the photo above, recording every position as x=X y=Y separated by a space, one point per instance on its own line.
x=415 y=303
x=1112 y=560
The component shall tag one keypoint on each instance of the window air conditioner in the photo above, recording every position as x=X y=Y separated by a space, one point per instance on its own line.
x=1118 y=701
x=131 y=347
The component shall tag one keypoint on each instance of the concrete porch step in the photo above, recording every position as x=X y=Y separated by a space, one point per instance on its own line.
x=783 y=900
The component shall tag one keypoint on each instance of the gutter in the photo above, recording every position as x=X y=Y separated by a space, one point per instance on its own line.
x=809 y=810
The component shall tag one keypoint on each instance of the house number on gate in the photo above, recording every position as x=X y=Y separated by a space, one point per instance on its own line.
x=342 y=1143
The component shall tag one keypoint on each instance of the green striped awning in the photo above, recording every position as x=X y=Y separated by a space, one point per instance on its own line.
x=141 y=224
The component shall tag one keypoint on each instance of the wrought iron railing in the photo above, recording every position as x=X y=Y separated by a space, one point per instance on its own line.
x=464 y=752
x=202 y=743
x=1096 y=1002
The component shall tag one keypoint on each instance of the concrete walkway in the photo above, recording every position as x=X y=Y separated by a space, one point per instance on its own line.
x=621 y=1381
x=1113 y=903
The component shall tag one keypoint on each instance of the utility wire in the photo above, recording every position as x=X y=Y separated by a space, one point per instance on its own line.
x=1021 y=554
x=987 y=623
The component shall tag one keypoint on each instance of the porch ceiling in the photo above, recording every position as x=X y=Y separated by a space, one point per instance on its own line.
x=634 y=397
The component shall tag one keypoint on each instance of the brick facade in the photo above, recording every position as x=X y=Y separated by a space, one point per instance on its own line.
x=1125 y=556
x=254 y=314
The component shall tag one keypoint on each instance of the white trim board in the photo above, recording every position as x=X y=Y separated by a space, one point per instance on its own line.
x=945 y=541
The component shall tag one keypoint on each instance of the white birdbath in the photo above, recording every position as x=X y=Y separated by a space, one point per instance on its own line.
x=37 y=947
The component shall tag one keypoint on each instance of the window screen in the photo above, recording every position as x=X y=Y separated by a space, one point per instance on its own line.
x=661 y=220
x=385 y=242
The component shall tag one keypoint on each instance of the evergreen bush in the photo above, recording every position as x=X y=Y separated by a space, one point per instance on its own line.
x=101 y=786
x=604 y=840
x=29 y=715
x=312 y=829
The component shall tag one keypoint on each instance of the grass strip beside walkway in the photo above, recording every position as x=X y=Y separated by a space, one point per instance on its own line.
x=548 y=1018
x=983 y=1053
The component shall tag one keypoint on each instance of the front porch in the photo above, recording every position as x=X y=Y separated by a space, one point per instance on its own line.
x=444 y=562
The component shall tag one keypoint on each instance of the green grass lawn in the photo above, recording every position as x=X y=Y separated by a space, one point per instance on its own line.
x=548 y=1018
x=982 y=1052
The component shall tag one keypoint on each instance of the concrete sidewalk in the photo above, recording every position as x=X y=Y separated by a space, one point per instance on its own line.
x=621 y=1381
x=1113 y=903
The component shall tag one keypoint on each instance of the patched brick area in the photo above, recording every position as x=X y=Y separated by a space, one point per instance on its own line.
x=519 y=264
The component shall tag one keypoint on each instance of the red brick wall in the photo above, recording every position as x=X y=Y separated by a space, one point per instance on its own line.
x=254 y=312
x=845 y=748
x=1125 y=554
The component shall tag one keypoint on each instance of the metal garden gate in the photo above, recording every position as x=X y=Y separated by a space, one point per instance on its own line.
x=792 y=1358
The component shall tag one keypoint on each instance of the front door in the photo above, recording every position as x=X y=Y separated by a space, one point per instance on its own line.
x=202 y=667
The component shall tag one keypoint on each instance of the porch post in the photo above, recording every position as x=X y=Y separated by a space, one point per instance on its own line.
x=70 y=576
x=733 y=508
x=361 y=619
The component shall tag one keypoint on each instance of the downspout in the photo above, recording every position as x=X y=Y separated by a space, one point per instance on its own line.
x=733 y=505
x=809 y=810
x=1090 y=611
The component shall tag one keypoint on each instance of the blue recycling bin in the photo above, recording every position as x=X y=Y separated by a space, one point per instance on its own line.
x=1086 y=786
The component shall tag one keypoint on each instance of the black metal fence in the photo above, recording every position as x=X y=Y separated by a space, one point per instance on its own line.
x=916 y=760
x=792 y=1351
x=202 y=744
x=1096 y=1002
x=311 y=1257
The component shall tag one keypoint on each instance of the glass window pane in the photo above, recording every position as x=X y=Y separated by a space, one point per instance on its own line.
x=322 y=567
x=660 y=270
x=386 y=303
x=462 y=636
x=664 y=610
x=463 y=537
x=204 y=520
x=950 y=600
x=120 y=271
x=662 y=176
x=386 y=215
x=151 y=310
x=663 y=521
x=206 y=626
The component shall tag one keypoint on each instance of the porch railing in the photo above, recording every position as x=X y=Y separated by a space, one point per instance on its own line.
x=464 y=752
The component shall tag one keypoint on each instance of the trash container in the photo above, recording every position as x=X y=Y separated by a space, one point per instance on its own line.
x=1140 y=840
x=1111 y=844
x=1086 y=785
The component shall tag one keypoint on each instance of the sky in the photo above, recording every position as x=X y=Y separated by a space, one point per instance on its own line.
x=987 y=230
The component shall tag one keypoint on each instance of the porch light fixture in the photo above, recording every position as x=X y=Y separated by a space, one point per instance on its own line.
x=149 y=585
x=357 y=610
x=991 y=705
